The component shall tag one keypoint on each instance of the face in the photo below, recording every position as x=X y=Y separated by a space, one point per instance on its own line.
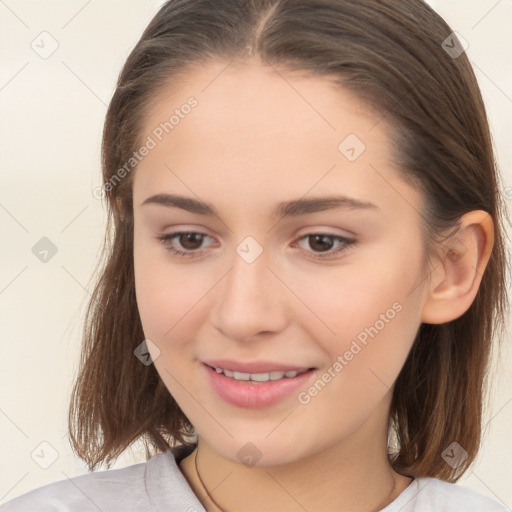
x=330 y=290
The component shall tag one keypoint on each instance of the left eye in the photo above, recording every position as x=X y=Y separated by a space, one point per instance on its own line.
x=187 y=239
x=191 y=241
x=325 y=242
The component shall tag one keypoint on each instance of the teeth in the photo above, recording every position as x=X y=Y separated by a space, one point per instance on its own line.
x=259 y=377
x=241 y=376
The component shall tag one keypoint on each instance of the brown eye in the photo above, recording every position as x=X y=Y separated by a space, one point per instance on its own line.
x=320 y=242
x=325 y=245
x=190 y=241
x=183 y=243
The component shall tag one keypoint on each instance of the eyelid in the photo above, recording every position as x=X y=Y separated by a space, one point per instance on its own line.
x=347 y=243
x=309 y=230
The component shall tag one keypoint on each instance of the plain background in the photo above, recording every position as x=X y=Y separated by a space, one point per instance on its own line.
x=52 y=113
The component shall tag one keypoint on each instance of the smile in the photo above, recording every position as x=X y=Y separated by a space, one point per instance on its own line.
x=256 y=389
x=259 y=377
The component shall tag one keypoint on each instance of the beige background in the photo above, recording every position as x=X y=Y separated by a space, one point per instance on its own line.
x=52 y=111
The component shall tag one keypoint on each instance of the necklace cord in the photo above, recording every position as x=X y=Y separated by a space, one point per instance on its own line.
x=202 y=483
x=222 y=510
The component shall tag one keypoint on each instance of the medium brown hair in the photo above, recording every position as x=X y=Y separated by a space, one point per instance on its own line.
x=390 y=54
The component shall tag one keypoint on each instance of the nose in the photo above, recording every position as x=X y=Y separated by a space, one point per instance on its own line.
x=250 y=300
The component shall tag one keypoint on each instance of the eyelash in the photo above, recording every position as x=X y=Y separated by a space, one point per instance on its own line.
x=168 y=237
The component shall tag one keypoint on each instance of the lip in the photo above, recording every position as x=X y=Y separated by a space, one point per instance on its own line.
x=253 y=367
x=255 y=395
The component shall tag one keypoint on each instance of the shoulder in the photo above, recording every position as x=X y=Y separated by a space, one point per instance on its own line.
x=113 y=490
x=431 y=494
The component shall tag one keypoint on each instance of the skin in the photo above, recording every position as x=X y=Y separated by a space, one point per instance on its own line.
x=256 y=138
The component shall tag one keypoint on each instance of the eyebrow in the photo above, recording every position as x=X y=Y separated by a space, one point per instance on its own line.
x=282 y=210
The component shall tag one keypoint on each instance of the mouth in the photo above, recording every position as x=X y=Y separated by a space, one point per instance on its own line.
x=255 y=388
x=259 y=377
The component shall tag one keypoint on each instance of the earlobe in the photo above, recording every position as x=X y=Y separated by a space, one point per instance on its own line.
x=456 y=279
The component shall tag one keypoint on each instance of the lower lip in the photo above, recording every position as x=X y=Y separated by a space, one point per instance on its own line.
x=253 y=395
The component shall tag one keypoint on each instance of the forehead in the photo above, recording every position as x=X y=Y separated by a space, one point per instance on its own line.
x=258 y=95
x=258 y=130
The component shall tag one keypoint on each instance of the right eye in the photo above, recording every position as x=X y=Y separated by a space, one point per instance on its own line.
x=190 y=241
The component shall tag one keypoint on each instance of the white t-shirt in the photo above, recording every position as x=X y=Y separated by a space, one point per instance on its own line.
x=159 y=486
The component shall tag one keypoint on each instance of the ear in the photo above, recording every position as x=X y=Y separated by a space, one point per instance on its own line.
x=456 y=278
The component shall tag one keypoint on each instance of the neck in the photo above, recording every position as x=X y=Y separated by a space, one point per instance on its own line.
x=354 y=475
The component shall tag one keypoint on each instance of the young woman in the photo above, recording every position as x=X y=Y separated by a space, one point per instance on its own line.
x=305 y=266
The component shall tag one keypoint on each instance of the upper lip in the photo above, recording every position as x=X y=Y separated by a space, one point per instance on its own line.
x=253 y=367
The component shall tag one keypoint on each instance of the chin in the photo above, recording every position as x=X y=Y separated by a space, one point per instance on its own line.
x=259 y=452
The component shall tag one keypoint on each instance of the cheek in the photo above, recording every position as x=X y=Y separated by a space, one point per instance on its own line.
x=169 y=297
x=387 y=337
x=158 y=298
x=374 y=311
x=354 y=297
x=378 y=350
x=363 y=366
